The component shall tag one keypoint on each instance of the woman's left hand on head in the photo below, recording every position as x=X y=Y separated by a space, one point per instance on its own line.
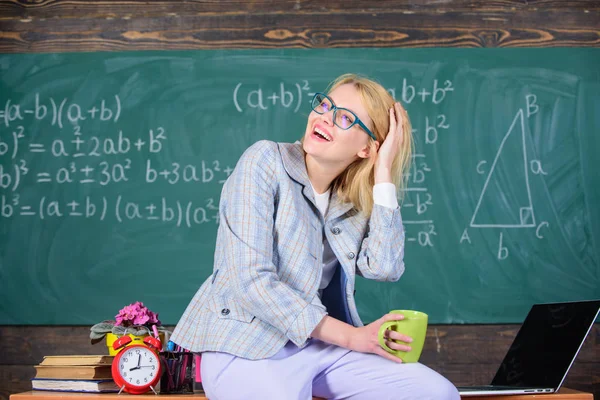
x=389 y=148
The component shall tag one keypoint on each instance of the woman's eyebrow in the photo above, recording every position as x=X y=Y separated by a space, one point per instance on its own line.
x=335 y=104
x=346 y=108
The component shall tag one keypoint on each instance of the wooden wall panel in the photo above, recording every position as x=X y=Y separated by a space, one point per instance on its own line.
x=465 y=354
x=31 y=26
x=15 y=379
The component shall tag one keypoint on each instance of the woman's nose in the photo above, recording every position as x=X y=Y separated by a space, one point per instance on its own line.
x=328 y=117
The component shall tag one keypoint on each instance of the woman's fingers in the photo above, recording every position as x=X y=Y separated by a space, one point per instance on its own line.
x=387 y=355
x=395 y=132
x=397 y=346
x=399 y=121
x=393 y=335
x=391 y=317
x=394 y=340
x=397 y=341
x=398 y=112
x=388 y=149
x=393 y=120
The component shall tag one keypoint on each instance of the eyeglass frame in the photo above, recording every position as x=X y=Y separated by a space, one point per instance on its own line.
x=335 y=108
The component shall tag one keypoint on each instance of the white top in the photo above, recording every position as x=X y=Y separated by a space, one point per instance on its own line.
x=384 y=194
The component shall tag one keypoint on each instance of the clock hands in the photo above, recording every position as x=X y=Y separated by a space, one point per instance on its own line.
x=138 y=363
x=142 y=366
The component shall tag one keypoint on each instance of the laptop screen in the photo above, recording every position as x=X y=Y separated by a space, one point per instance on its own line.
x=547 y=344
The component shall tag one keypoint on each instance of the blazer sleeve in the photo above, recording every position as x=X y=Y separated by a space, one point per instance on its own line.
x=381 y=255
x=247 y=212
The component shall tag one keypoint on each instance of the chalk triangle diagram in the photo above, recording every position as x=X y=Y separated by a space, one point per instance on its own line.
x=505 y=200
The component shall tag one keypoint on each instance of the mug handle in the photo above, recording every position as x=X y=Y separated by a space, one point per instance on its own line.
x=381 y=335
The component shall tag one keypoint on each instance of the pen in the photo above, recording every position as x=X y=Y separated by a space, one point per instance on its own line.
x=198 y=360
x=183 y=371
x=176 y=375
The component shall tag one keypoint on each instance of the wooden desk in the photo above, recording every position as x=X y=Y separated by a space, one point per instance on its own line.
x=563 y=394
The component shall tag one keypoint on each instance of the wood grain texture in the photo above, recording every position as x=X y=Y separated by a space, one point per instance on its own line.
x=47 y=26
x=445 y=344
x=15 y=379
x=465 y=354
x=116 y=7
x=563 y=394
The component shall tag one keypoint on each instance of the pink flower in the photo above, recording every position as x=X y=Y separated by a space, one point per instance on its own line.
x=141 y=319
x=154 y=318
x=136 y=314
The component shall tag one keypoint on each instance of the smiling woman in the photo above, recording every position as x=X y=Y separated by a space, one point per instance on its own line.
x=366 y=107
x=298 y=221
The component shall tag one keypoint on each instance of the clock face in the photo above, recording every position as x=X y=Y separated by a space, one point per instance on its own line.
x=138 y=366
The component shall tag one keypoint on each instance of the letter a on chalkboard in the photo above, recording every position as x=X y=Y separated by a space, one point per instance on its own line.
x=505 y=200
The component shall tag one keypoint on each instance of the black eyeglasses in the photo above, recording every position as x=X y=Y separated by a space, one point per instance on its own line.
x=342 y=117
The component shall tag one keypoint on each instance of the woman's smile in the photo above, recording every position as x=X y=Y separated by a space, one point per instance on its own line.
x=321 y=134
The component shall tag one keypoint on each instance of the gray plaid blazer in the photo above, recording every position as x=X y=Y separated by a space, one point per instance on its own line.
x=269 y=255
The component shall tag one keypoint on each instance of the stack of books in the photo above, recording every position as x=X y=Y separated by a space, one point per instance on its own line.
x=75 y=373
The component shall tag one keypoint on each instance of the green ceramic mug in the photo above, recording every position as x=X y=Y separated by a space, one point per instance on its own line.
x=414 y=325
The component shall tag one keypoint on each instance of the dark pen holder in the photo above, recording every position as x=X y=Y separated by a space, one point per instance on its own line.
x=177 y=376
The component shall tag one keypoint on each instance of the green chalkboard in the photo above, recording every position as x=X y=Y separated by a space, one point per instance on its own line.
x=112 y=165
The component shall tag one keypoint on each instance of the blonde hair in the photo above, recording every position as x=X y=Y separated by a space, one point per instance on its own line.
x=355 y=184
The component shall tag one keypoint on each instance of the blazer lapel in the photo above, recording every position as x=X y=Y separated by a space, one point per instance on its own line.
x=292 y=156
x=337 y=208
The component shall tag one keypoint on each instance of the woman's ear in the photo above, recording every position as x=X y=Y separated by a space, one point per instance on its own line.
x=369 y=149
x=364 y=152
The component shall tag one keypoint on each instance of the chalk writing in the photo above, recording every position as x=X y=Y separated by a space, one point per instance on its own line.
x=292 y=95
x=523 y=215
x=176 y=212
x=60 y=111
x=96 y=161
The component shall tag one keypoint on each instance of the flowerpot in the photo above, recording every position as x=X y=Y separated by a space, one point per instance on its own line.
x=135 y=339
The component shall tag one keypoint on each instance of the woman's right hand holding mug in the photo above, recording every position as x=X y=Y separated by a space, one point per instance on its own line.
x=366 y=339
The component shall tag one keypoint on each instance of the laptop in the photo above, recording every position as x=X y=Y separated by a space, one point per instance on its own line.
x=543 y=351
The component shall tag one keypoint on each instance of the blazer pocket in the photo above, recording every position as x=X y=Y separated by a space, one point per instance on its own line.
x=227 y=309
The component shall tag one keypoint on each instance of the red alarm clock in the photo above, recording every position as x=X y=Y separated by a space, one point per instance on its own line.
x=137 y=369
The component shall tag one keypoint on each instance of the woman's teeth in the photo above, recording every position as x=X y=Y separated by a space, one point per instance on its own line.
x=323 y=134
